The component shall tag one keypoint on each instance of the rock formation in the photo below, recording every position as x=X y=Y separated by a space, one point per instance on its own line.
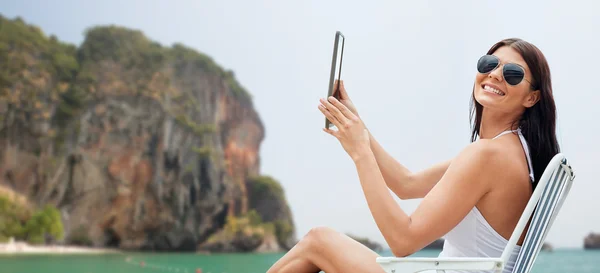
x=368 y=243
x=547 y=247
x=592 y=241
x=140 y=146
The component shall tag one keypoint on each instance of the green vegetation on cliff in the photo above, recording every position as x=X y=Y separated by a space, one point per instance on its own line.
x=266 y=185
x=268 y=214
x=184 y=56
x=267 y=198
x=26 y=93
x=23 y=223
x=145 y=60
x=17 y=43
x=241 y=233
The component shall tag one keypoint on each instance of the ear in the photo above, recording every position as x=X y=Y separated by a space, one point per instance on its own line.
x=532 y=98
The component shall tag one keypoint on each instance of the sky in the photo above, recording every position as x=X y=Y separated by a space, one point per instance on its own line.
x=409 y=67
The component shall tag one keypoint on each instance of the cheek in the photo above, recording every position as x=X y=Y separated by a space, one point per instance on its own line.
x=518 y=95
x=479 y=78
x=520 y=91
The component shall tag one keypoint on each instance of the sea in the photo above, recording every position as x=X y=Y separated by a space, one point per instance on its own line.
x=559 y=260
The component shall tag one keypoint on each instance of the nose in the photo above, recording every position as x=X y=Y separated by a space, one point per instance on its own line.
x=496 y=74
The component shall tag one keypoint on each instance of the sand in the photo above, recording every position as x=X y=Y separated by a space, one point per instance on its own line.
x=13 y=247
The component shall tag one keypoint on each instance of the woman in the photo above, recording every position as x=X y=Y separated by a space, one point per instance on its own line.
x=474 y=200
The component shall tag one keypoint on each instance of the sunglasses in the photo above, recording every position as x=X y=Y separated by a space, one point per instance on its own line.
x=513 y=73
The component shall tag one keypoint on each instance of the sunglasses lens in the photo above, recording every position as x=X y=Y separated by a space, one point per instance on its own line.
x=513 y=74
x=487 y=63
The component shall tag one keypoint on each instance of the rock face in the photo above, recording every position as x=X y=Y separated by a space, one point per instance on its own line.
x=267 y=227
x=592 y=241
x=547 y=247
x=267 y=198
x=140 y=146
x=366 y=242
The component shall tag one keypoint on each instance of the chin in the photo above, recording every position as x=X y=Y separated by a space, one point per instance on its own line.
x=486 y=99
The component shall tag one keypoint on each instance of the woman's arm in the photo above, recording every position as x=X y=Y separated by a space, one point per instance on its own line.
x=404 y=183
x=467 y=179
x=465 y=182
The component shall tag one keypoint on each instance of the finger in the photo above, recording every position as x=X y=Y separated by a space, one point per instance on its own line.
x=342 y=108
x=331 y=132
x=329 y=116
x=335 y=111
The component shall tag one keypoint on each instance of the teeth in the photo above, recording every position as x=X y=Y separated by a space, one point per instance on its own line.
x=488 y=88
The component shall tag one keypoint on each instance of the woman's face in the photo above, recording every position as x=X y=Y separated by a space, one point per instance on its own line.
x=493 y=92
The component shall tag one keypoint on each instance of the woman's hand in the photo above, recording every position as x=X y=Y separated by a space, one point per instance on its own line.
x=345 y=99
x=351 y=133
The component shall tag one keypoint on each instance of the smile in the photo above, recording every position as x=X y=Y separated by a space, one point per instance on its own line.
x=493 y=90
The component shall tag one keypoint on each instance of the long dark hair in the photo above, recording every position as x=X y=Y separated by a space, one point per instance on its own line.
x=538 y=123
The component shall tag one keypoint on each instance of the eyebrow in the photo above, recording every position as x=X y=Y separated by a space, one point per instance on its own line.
x=515 y=62
x=524 y=66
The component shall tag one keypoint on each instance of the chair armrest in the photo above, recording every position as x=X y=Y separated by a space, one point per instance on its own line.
x=418 y=264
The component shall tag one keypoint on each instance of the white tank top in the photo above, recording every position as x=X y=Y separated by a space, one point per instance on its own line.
x=475 y=237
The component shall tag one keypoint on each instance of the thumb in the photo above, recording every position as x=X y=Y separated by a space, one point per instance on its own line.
x=343 y=93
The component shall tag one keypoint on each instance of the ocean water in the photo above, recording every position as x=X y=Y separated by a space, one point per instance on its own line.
x=571 y=261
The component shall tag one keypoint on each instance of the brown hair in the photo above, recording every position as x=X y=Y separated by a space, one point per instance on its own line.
x=538 y=123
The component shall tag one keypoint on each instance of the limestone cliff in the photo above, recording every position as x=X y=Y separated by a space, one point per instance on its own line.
x=139 y=145
x=592 y=241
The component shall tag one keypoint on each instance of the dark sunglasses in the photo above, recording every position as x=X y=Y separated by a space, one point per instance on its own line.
x=513 y=73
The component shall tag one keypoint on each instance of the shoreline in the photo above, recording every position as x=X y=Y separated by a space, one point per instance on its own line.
x=23 y=248
x=13 y=247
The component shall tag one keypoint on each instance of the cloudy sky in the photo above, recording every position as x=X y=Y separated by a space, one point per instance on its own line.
x=408 y=65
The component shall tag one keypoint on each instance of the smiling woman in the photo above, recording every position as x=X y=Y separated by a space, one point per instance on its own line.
x=513 y=139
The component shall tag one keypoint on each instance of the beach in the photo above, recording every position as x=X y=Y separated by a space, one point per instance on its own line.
x=16 y=247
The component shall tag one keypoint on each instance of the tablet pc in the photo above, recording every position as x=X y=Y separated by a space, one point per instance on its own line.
x=336 y=69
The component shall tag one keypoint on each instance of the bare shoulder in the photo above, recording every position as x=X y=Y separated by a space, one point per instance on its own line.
x=484 y=151
x=488 y=159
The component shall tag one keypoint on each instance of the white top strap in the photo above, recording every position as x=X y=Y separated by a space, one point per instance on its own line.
x=525 y=147
x=504 y=133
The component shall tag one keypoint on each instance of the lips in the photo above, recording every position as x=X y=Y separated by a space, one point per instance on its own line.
x=492 y=89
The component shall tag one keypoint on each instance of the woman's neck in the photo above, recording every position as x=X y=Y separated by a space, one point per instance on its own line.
x=493 y=124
